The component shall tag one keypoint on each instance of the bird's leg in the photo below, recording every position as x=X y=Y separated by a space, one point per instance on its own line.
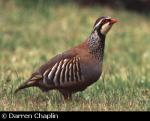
x=67 y=95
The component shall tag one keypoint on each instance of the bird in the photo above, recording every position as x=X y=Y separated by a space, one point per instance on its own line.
x=74 y=69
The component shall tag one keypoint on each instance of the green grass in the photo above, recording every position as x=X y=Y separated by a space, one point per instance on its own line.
x=30 y=37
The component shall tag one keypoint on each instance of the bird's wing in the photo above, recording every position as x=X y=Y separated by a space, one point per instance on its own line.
x=62 y=71
x=48 y=73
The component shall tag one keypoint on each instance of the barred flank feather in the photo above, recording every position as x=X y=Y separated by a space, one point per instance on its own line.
x=63 y=73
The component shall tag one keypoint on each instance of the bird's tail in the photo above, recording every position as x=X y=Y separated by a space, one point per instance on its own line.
x=30 y=82
x=23 y=86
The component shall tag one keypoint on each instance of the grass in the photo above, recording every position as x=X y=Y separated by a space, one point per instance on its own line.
x=30 y=37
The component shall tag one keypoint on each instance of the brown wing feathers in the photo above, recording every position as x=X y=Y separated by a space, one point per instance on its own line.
x=65 y=72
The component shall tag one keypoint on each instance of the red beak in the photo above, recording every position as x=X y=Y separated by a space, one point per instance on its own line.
x=114 y=20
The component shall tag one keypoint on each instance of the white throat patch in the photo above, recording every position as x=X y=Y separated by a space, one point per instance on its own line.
x=105 y=28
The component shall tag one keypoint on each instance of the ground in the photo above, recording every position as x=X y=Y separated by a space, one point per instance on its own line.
x=30 y=37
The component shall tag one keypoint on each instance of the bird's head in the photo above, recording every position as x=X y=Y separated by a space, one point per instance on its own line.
x=103 y=24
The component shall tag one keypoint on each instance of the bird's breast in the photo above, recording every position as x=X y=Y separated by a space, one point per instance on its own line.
x=91 y=71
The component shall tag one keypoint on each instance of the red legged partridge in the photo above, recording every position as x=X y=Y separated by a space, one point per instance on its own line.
x=75 y=69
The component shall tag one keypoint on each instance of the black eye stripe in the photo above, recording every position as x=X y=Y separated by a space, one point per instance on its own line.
x=105 y=21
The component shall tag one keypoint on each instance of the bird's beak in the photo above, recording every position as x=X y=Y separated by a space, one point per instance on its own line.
x=113 y=21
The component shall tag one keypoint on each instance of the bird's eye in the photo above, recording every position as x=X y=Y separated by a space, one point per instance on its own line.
x=106 y=20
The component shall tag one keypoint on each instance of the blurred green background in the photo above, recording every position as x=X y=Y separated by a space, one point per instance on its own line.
x=33 y=31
